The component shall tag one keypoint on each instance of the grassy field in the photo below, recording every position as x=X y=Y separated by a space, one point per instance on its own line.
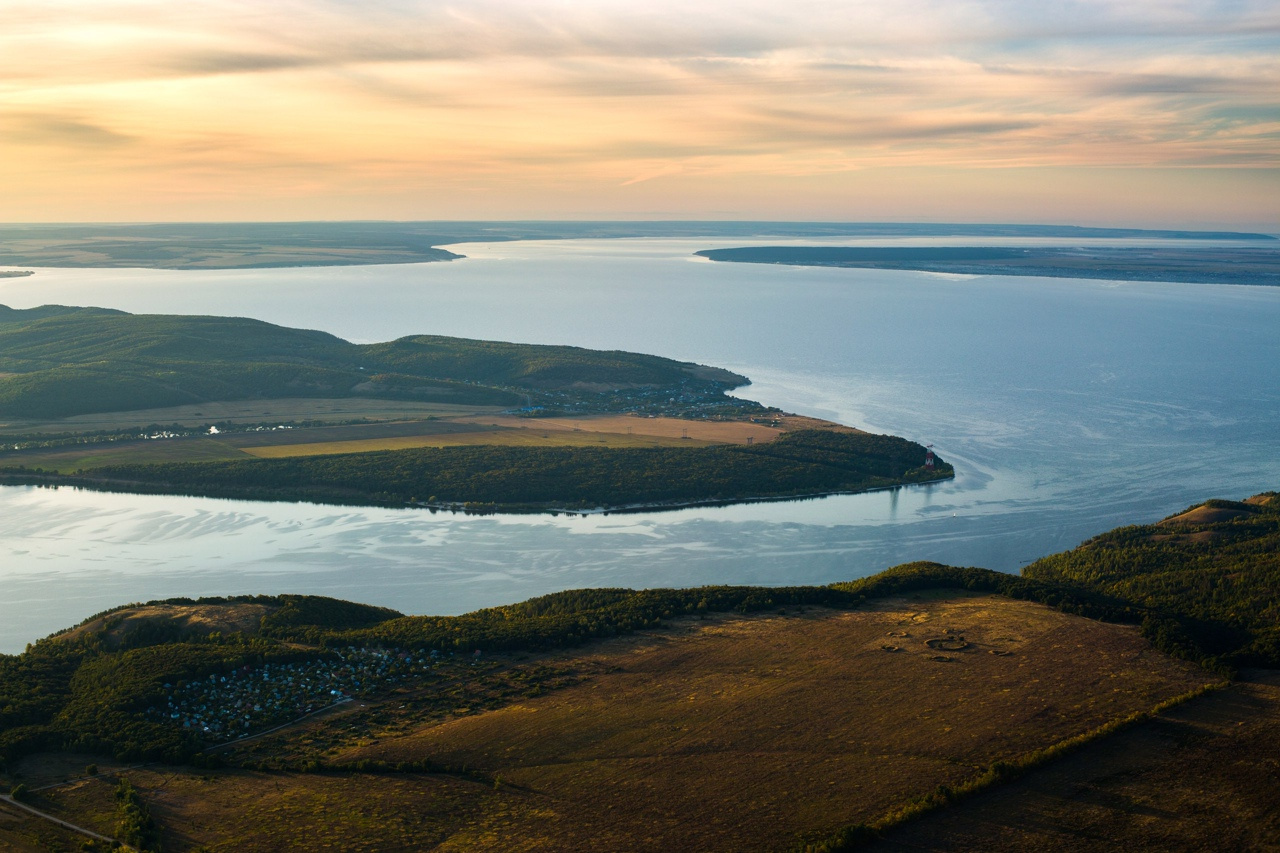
x=1202 y=776
x=727 y=733
x=716 y=432
x=506 y=437
x=395 y=427
x=22 y=832
x=250 y=412
x=75 y=457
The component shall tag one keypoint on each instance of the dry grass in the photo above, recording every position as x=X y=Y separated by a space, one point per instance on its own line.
x=197 y=618
x=1201 y=776
x=69 y=459
x=244 y=811
x=734 y=733
x=448 y=427
x=718 y=432
x=505 y=437
x=1205 y=515
x=23 y=832
x=746 y=733
x=794 y=422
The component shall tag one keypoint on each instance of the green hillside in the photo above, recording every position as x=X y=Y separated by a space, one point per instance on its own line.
x=1210 y=573
x=57 y=361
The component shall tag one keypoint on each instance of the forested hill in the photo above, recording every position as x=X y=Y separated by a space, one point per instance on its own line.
x=1214 y=568
x=58 y=361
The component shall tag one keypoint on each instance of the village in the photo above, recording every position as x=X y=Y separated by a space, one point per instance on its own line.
x=687 y=400
x=231 y=705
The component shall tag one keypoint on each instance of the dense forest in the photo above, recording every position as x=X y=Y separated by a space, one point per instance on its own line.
x=58 y=361
x=88 y=689
x=804 y=462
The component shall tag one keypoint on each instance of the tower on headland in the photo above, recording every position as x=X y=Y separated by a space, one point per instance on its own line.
x=928 y=457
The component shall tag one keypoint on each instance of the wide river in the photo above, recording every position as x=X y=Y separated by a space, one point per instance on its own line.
x=1068 y=407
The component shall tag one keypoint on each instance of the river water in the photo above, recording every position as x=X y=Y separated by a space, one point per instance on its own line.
x=1067 y=406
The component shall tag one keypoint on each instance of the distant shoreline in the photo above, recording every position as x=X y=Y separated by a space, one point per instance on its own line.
x=272 y=245
x=1218 y=265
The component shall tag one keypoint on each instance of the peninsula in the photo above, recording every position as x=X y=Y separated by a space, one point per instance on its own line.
x=232 y=407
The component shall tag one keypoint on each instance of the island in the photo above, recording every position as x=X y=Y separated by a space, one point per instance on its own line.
x=924 y=707
x=233 y=407
x=1245 y=264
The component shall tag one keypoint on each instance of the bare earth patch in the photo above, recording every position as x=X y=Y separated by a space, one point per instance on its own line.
x=1206 y=515
x=197 y=618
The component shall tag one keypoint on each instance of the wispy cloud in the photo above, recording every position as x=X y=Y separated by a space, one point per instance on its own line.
x=27 y=128
x=522 y=93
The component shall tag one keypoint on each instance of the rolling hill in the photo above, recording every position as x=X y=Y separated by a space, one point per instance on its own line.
x=60 y=361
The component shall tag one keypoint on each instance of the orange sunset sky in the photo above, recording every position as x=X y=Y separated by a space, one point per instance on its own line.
x=1163 y=114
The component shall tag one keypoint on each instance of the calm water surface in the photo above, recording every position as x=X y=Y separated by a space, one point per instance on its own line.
x=1068 y=407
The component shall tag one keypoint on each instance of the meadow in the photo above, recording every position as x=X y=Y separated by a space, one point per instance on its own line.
x=727 y=732
x=1200 y=776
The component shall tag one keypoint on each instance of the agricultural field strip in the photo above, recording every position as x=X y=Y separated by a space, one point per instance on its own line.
x=507 y=438
x=615 y=431
x=467 y=430
x=729 y=431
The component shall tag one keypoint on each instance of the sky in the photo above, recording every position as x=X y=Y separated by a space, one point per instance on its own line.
x=1138 y=113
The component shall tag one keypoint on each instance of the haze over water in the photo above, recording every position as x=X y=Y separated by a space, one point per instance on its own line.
x=1068 y=407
